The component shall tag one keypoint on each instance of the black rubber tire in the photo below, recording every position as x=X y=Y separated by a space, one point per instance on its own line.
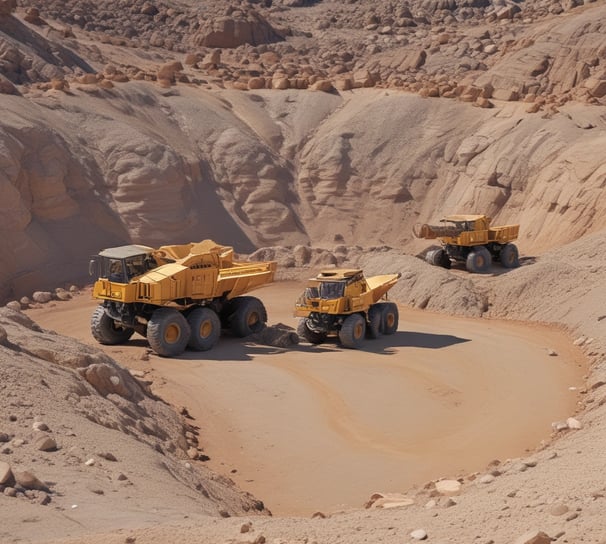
x=310 y=336
x=391 y=317
x=479 y=260
x=226 y=312
x=205 y=328
x=433 y=257
x=438 y=257
x=353 y=331
x=106 y=331
x=249 y=316
x=168 y=332
x=509 y=256
x=375 y=321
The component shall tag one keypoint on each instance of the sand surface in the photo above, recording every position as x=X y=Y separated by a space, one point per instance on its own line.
x=320 y=428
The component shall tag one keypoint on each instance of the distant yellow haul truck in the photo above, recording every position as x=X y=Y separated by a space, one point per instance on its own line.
x=343 y=302
x=176 y=296
x=470 y=239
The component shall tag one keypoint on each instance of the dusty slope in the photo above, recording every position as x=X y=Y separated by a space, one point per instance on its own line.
x=103 y=448
x=559 y=490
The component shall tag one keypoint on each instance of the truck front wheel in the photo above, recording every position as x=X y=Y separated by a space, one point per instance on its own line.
x=107 y=331
x=352 y=331
x=168 y=332
x=306 y=333
x=205 y=329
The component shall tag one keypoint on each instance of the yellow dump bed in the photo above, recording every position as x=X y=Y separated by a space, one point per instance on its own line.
x=379 y=285
x=187 y=274
x=467 y=230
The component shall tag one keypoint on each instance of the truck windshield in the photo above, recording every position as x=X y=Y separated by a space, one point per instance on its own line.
x=113 y=270
x=123 y=270
x=136 y=266
x=332 y=289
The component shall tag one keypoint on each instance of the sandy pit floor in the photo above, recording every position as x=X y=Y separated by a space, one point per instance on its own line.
x=321 y=428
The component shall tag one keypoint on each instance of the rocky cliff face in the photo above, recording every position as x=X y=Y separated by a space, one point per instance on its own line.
x=97 y=153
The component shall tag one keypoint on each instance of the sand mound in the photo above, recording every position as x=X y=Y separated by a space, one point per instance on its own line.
x=85 y=428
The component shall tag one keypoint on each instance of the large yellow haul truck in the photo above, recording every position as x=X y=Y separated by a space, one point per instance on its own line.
x=177 y=296
x=344 y=303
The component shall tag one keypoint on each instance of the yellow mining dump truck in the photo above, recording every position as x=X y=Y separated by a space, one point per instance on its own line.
x=470 y=239
x=176 y=296
x=343 y=302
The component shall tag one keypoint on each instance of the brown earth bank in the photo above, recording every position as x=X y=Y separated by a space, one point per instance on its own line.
x=316 y=133
x=310 y=396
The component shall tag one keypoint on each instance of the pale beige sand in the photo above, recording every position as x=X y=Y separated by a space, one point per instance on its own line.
x=322 y=428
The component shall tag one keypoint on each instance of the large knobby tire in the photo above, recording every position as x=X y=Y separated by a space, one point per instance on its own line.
x=509 y=256
x=106 y=331
x=307 y=334
x=438 y=257
x=205 y=329
x=353 y=331
x=391 y=317
x=168 y=332
x=479 y=260
x=375 y=321
x=249 y=316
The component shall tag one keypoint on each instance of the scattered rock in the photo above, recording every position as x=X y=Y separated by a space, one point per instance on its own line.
x=108 y=456
x=448 y=487
x=486 y=479
x=6 y=475
x=45 y=443
x=419 y=534
x=278 y=335
x=573 y=423
x=28 y=480
x=388 y=500
x=533 y=537
x=42 y=297
x=14 y=305
x=39 y=426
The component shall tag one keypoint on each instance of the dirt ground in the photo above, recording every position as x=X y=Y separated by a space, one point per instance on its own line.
x=321 y=428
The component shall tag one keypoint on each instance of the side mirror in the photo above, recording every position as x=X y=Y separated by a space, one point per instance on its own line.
x=93 y=267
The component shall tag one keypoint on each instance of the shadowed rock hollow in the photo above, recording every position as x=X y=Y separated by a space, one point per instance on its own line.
x=98 y=150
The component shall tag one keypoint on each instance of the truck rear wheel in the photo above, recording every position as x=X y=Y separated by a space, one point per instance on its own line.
x=478 y=260
x=375 y=321
x=352 y=331
x=168 y=332
x=391 y=317
x=107 y=331
x=205 y=329
x=509 y=256
x=312 y=337
x=249 y=316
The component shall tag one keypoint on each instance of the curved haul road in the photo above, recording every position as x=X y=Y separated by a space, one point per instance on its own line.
x=321 y=428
